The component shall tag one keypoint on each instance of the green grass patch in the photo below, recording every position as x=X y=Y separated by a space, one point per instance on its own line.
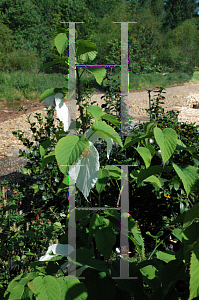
x=145 y=81
x=153 y=80
x=195 y=77
x=20 y=84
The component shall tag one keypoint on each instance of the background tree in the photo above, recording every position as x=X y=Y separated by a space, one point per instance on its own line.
x=178 y=11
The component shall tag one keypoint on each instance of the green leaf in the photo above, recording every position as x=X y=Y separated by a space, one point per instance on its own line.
x=131 y=140
x=151 y=148
x=144 y=173
x=43 y=147
x=17 y=292
x=149 y=126
x=136 y=236
x=133 y=226
x=69 y=149
x=138 y=241
x=189 y=175
x=194 y=273
x=180 y=145
x=93 y=136
x=61 y=42
x=102 y=179
x=112 y=119
x=154 y=180
x=190 y=215
x=107 y=130
x=48 y=158
x=95 y=222
x=31 y=286
x=114 y=217
x=105 y=239
x=86 y=47
x=71 y=288
x=49 y=93
x=98 y=72
x=60 y=134
x=145 y=154
x=149 y=272
x=47 y=288
x=177 y=232
x=165 y=256
x=114 y=172
x=95 y=111
x=167 y=141
x=14 y=282
x=81 y=214
x=84 y=257
x=194 y=280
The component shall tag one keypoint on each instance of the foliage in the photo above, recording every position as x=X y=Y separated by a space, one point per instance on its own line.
x=163 y=163
x=179 y=50
x=178 y=11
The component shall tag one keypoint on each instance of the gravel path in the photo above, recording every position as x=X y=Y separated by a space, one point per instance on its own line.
x=175 y=98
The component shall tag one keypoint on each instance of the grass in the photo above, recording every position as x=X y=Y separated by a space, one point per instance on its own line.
x=26 y=85
x=20 y=84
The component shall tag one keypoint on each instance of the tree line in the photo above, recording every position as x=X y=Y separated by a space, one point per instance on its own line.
x=164 y=39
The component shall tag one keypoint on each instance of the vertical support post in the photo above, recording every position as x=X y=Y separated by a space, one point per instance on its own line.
x=124 y=79
x=124 y=243
x=72 y=75
x=72 y=228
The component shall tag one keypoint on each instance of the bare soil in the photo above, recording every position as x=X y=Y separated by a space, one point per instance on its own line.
x=175 y=98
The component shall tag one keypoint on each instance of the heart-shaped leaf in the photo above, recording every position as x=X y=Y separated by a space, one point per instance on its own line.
x=47 y=288
x=72 y=288
x=98 y=72
x=105 y=240
x=69 y=149
x=61 y=42
x=167 y=141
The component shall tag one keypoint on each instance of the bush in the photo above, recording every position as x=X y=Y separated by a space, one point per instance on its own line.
x=20 y=60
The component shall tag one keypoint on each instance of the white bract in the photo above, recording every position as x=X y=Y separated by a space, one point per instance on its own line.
x=85 y=170
x=61 y=108
x=57 y=249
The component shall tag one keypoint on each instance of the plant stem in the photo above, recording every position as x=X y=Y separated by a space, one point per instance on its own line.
x=79 y=101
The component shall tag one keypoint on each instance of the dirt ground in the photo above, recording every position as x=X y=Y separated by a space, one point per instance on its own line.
x=175 y=98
